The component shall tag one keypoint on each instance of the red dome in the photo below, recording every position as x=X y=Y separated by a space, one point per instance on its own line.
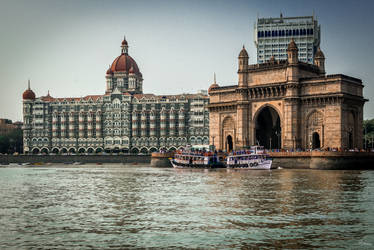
x=109 y=71
x=124 y=42
x=124 y=63
x=28 y=95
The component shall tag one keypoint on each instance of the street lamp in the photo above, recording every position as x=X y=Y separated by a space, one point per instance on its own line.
x=214 y=148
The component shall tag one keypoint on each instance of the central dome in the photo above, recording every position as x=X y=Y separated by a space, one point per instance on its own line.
x=124 y=62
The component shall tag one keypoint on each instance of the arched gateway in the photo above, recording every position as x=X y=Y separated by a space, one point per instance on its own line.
x=286 y=104
x=267 y=128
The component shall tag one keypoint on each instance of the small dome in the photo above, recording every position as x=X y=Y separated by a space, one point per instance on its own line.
x=243 y=53
x=214 y=85
x=292 y=45
x=109 y=72
x=124 y=42
x=319 y=54
x=28 y=95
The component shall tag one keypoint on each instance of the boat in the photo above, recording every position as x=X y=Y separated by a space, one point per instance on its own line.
x=196 y=159
x=253 y=159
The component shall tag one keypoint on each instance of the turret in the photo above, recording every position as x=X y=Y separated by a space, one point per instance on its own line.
x=319 y=61
x=243 y=64
x=292 y=52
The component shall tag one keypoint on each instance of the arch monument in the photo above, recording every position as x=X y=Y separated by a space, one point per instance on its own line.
x=287 y=104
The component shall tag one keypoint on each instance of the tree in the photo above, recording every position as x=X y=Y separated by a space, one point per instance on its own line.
x=12 y=142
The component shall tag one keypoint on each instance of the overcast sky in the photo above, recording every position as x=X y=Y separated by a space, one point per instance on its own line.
x=66 y=46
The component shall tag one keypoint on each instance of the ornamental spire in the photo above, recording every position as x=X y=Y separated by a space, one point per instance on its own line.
x=215 y=78
x=124 y=46
x=28 y=84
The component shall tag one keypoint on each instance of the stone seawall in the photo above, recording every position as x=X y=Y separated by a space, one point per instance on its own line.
x=289 y=160
x=6 y=159
x=323 y=160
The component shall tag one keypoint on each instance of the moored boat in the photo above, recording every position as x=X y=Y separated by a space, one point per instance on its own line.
x=253 y=159
x=192 y=159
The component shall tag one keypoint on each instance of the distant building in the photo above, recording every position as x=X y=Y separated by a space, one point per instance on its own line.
x=122 y=120
x=272 y=36
x=7 y=126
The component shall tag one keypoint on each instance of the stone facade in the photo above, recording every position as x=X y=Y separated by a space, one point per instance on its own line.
x=287 y=104
x=122 y=120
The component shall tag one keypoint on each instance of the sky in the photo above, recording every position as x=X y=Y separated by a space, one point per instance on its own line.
x=66 y=46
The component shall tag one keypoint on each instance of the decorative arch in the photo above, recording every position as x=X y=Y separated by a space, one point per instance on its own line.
x=44 y=151
x=99 y=150
x=153 y=149
x=55 y=151
x=35 y=151
x=72 y=150
x=144 y=150
x=90 y=150
x=351 y=130
x=134 y=151
x=267 y=127
x=314 y=130
x=63 y=150
x=81 y=150
x=228 y=133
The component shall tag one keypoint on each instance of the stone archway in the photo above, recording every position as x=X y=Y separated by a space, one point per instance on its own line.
x=314 y=128
x=267 y=129
x=316 y=142
x=228 y=133
x=229 y=144
x=35 y=151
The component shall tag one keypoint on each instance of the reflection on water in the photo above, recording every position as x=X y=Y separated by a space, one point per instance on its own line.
x=133 y=206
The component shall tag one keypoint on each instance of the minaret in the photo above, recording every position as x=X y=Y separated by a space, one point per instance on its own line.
x=319 y=61
x=292 y=53
x=243 y=64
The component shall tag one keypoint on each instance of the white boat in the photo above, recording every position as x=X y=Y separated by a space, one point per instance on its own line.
x=252 y=159
x=189 y=159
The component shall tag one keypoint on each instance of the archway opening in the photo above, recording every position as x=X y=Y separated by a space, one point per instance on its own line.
x=153 y=150
x=35 y=151
x=72 y=150
x=350 y=140
x=44 y=151
x=55 y=151
x=144 y=151
x=268 y=128
x=134 y=151
x=81 y=151
x=90 y=150
x=316 y=143
x=229 y=144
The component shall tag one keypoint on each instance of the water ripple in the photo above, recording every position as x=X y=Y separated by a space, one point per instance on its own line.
x=142 y=207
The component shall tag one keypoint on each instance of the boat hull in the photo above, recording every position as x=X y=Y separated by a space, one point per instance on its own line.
x=209 y=166
x=264 y=165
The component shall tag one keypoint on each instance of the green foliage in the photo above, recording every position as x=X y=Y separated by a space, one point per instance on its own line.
x=12 y=142
x=369 y=128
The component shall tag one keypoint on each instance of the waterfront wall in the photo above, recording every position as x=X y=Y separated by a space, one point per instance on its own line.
x=6 y=159
x=323 y=160
x=289 y=160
